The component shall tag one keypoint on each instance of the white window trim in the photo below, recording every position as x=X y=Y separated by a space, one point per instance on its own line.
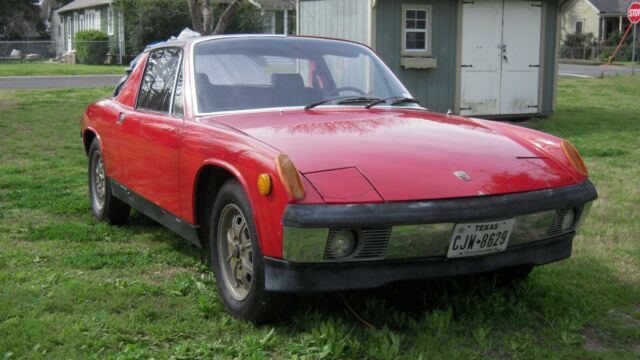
x=428 y=30
x=110 y=21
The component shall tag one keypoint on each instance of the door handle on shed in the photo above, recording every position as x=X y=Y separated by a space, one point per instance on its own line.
x=121 y=118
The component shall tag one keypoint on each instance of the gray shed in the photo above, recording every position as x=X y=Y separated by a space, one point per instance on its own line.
x=495 y=58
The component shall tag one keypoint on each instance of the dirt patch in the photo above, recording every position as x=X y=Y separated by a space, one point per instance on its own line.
x=7 y=102
x=157 y=277
x=592 y=342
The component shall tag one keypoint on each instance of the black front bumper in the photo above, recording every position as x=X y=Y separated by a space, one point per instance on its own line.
x=285 y=276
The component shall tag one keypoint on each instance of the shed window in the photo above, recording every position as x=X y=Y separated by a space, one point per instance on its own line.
x=416 y=30
x=579 y=26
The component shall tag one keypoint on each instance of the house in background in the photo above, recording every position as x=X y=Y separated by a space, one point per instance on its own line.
x=82 y=15
x=279 y=15
x=495 y=58
x=602 y=18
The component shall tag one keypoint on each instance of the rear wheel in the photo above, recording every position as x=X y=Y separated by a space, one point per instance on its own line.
x=104 y=205
x=237 y=260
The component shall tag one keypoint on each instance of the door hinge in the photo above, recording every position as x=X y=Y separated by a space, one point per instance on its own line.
x=468 y=2
x=534 y=66
x=536 y=5
x=465 y=109
x=468 y=66
x=532 y=106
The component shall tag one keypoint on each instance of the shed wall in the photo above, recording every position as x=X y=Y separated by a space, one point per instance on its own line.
x=435 y=88
x=336 y=18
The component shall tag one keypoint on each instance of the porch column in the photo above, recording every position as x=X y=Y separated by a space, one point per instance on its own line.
x=603 y=28
x=285 y=22
x=620 y=24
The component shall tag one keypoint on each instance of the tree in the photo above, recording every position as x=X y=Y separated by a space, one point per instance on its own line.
x=20 y=19
x=202 y=16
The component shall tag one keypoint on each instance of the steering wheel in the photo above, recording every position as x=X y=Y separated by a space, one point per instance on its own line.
x=337 y=91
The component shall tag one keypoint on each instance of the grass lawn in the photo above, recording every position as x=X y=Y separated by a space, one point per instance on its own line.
x=73 y=288
x=32 y=69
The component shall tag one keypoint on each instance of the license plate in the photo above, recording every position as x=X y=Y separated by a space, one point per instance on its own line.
x=473 y=239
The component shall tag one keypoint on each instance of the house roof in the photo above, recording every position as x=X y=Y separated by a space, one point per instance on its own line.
x=611 y=6
x=83 y=4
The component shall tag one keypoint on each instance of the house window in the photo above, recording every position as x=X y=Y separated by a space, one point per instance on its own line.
x=110 y=21
x=416 y=30
x=579 y=26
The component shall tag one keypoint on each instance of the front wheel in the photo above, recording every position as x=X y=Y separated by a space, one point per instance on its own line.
x=104 y=205
x=237 y=260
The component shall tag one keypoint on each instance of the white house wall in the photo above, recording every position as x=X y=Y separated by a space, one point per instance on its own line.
x=580 y=10
x=336 y=18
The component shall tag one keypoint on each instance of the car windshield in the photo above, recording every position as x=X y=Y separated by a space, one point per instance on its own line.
x=266 y=72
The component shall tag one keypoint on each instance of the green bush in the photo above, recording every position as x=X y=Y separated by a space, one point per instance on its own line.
x=91 y=47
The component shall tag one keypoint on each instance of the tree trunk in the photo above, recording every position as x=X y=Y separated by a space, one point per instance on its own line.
x=196 y=15
x=226 y=17
x=207 y=17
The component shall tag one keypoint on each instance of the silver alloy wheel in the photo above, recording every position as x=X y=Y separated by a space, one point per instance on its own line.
x=98 y=184
x=235 y=251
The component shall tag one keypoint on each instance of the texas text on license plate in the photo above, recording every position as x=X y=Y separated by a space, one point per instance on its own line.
x=470 y=239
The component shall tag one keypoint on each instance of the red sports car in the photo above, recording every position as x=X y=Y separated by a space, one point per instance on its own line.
x=304 y=165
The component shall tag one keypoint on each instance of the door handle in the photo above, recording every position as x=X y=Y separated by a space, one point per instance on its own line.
x=121 y=118
x=505 y=58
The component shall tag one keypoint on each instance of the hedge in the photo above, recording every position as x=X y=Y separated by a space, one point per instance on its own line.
x=91 y=47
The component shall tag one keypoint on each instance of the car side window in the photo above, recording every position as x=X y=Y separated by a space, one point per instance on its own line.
x=178 y=100
x=156 y=90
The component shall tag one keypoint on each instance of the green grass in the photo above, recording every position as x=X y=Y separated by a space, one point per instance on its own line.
x=39 y=69
x=74 y=288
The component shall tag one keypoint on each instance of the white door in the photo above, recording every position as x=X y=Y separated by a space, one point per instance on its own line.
x=521 y=57
x=67 y=33
x=500 y=57
x=480 y=66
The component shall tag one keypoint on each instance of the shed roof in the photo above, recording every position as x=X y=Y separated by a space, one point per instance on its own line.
x=611 y=6
x=83 y=4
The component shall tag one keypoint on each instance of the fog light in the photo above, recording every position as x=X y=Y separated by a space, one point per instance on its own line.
x=567 y=221
x=342 y=244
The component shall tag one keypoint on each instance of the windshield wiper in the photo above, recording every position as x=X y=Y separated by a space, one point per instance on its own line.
x=342 y=100
x=397 y=101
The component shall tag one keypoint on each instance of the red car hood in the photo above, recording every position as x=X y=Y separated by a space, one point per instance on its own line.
x=404 y=154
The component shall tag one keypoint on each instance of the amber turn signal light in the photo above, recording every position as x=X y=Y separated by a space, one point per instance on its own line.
x=264 y=184
x=574 y=157
x=290 y=177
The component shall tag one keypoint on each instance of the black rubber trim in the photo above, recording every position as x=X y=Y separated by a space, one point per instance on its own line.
x=157 y=213
x=438 y=211
x=284 y=276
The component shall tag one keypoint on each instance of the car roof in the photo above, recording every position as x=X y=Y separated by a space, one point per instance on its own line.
x=182 y=42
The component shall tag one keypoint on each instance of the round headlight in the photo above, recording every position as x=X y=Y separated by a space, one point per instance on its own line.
x=567 y=221
x=343 y=243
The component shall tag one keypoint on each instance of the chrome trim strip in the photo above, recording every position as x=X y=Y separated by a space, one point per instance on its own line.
x=418 y=241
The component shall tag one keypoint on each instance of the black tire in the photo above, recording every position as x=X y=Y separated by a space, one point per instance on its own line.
x=258 y=305
x=511 y=276
x=109 y=209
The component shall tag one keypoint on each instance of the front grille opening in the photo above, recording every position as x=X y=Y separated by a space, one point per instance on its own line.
x=556 y=225
x=372 y=244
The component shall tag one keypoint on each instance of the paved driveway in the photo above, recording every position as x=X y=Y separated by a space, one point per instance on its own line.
x=52 y=82
x=594 y=71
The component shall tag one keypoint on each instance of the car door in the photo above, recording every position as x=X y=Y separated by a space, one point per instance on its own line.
x=151 y=134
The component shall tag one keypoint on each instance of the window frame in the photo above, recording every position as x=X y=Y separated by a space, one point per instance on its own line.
x=175 y=80
x=581 y=22
x=110 y=21
x=427 y=31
